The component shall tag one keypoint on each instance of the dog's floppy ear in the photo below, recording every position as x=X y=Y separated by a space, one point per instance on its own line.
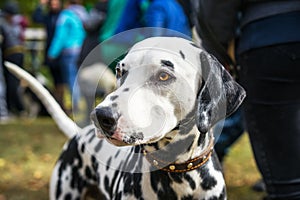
x=219 y=95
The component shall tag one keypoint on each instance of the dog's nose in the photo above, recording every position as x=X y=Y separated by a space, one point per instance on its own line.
x=104 y=118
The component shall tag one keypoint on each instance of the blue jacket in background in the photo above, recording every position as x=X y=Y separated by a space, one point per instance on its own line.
x=133 y=15
x=69 y=33
x=167 y=14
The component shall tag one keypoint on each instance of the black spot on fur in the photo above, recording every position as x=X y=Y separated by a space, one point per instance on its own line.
x=119 y=196
x=137 y=178
x=71 y=157
x=190 y=197
x=93 y=192
x=132 y=181
x=123 y=78
x=77 y=181
x=137 y=149
x=167 y=63
x=83 y=148
x=161 y=184
x=169 y=153
x=106 y=184
x=108 y=163
x=132 y=184
x=154 y=145
x=68 y=196
x=98 y=146
x=182 y=54
x=194 y=45
x=114 y=105
x=95 y=164
x=91 y=138
x=112 y=98
x=186 y=124
x=208 y=181
x=114 y=182
x=223 y=194
x=130 y=140
x=134 y=137
x=191 y=181
x=201 y=138
x=138 y=136
x=118 y=152
x=177 y=177
x=88 y=173
x=130 y=163
x=126 y=90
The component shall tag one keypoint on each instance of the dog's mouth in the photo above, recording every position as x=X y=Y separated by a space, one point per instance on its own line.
x=132 y=141
x=115 y=138
x=116 y=142
x=119 y=139
x=110 y=139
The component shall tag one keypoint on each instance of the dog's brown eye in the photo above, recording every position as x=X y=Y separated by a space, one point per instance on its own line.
x=164 y=76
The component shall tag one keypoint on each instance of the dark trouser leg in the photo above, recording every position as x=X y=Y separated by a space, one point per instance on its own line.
x=271 y=77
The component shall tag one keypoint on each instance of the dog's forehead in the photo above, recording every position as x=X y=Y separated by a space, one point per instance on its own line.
x=158 y=51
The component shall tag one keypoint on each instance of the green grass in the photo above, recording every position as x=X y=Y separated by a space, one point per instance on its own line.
x=241 y=172
x=29 y=149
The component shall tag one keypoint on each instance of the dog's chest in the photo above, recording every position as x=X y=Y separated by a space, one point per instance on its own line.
x=125 y=173
x=135 y=180
x=161 y=185
x=151 y=185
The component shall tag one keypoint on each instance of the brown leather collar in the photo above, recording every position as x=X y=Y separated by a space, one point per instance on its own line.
x=181 y=167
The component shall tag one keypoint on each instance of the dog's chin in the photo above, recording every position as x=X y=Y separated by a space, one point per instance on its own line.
x=116 y=142
x=125 y=140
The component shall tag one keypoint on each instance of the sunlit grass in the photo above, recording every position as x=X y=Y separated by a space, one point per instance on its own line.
x=241 y=172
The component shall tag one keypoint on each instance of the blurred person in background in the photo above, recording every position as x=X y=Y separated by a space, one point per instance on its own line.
x=114 y=15
x=92 y=26
x=168 y=14
x=14 y=52
x=47 y=13
x=133 y=15
x=267 y=37
x=67 y=42
x=18 y=21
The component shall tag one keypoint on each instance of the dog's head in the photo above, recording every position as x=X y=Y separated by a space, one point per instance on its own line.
x=161 y=82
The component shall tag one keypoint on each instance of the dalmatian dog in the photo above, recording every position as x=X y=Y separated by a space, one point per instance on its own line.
x=151 y=138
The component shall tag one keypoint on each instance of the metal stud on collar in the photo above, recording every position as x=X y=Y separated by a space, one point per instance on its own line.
x=190 y=165
x=172 y=167
x=181 y=167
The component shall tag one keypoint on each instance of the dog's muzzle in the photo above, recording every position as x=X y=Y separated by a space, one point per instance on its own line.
x=104 y=119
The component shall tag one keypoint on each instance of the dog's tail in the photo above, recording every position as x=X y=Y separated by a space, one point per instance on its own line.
x=65 y=124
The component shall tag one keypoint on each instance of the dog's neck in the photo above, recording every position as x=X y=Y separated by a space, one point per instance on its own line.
x=178 y=146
